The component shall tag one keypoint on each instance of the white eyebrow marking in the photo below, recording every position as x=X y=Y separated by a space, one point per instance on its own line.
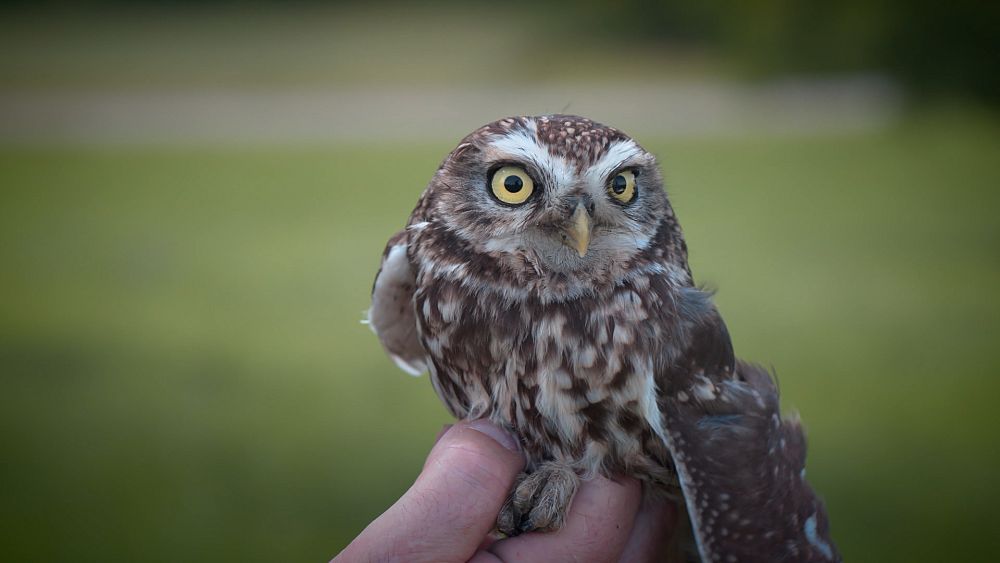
x=523 y=144
x=618 y=153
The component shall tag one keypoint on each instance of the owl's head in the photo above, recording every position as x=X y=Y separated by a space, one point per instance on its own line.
x=566 y=193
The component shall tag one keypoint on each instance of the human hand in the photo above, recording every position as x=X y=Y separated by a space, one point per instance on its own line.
x=449 y=512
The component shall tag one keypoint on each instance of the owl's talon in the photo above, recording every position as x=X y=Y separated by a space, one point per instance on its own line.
x=508 y=519
x=539 y=500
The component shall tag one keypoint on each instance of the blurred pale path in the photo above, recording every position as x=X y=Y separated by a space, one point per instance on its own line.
x=349 y=74
x=660 y=109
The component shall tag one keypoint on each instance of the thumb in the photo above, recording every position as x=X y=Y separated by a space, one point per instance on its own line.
x=452 y=505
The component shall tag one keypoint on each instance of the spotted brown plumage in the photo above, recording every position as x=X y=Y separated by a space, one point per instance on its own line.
x=569 y=316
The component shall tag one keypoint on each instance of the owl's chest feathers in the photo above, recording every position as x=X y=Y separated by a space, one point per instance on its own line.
x=575 y=378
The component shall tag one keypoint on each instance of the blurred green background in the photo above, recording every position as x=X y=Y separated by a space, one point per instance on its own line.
x=194 y=198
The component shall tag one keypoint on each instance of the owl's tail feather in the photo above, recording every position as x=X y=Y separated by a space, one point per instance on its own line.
x=742 y=469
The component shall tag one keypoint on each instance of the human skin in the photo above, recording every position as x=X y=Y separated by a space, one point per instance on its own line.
x=449 y=511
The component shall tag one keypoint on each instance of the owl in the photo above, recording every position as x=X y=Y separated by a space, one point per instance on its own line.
x=543 y=282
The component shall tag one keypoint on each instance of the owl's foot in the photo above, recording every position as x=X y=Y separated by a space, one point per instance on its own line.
x=539 y=501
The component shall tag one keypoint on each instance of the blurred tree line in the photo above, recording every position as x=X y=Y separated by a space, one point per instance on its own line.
x=933 y=48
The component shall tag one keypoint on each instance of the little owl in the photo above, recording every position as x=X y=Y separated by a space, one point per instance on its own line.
x=543 y=282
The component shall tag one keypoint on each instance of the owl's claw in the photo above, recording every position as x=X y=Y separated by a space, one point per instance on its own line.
x=539 y=501
x=508 y=520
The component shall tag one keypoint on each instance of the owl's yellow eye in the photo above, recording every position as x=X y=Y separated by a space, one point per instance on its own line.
x=622 y=186
x=511 y=184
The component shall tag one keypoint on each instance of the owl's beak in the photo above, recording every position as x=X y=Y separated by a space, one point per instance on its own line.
x=578 y=230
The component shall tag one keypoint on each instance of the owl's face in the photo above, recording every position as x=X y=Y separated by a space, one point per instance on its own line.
x=568 y=194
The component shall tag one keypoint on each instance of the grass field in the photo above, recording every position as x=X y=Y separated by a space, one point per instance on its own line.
x=185 y=377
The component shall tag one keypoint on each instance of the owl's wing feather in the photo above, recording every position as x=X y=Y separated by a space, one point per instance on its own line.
x=740 y=464
x=391 y=315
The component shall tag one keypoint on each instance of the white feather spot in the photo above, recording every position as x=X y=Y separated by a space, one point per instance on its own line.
x=813 y=537
x=448 y=309
x=706 y=390
x=587 y=356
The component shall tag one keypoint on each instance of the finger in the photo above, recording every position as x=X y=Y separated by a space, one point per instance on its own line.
x=452 y=505
x=596 y=529
x=654 y=526
x=442 y=432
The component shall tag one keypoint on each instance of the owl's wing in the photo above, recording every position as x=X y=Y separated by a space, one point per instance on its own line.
x=391 y=315
x=741 y=465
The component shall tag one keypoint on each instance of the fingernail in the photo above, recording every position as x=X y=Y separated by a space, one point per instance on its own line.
x=502 y=437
